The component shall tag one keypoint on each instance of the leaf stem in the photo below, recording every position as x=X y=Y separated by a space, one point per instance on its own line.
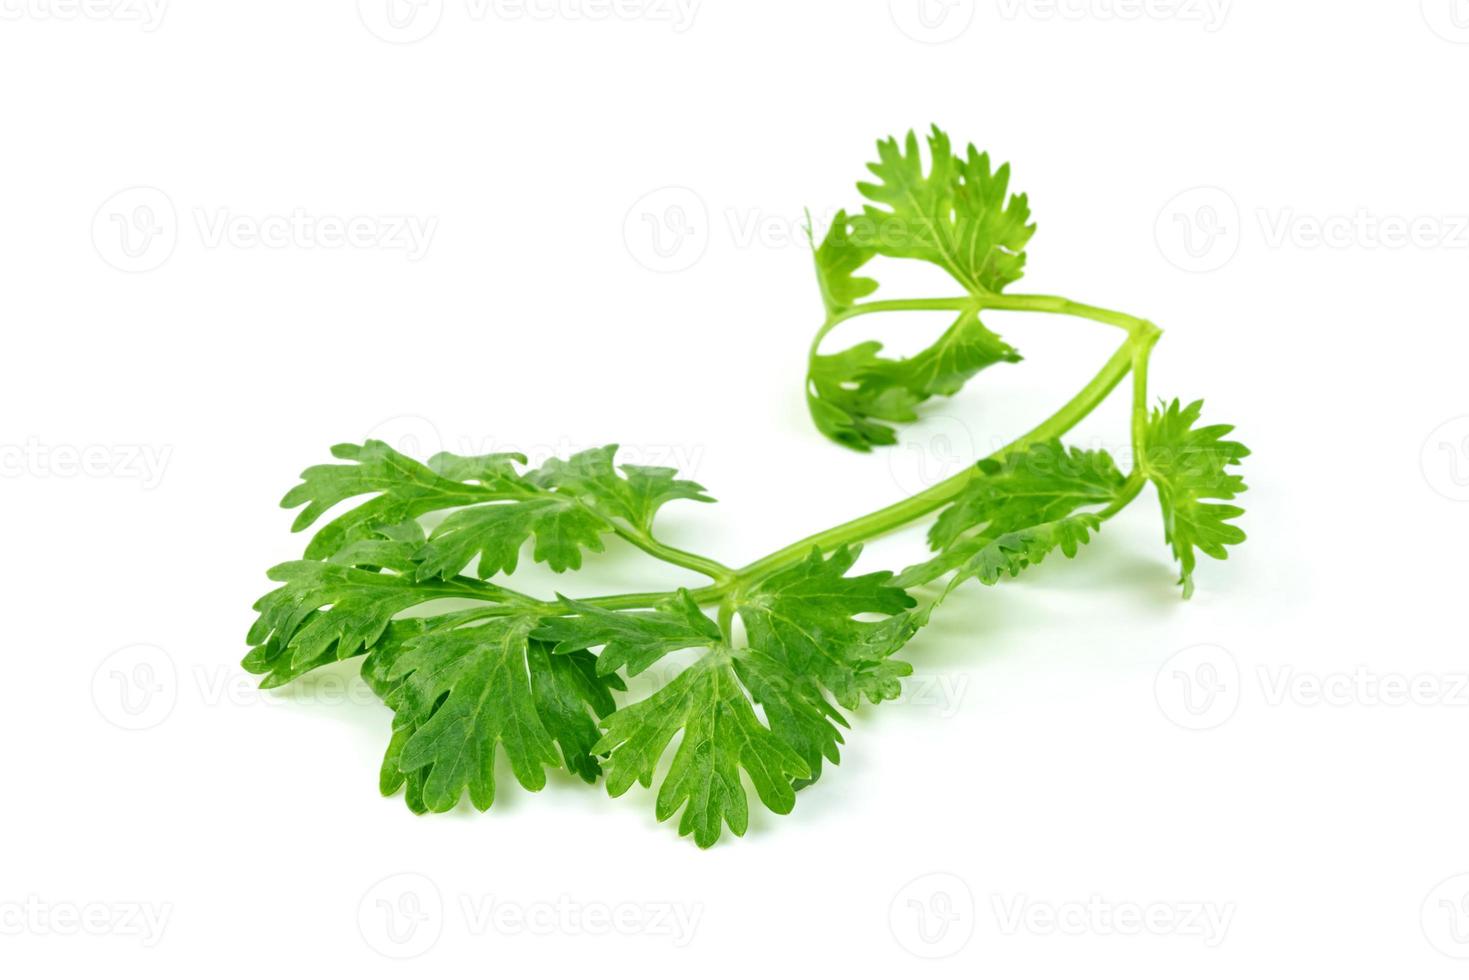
x=675 y=556
x=926 y=502
x=1131 y=357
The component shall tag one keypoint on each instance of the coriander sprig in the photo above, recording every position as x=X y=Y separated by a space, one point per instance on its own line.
x=786 y=644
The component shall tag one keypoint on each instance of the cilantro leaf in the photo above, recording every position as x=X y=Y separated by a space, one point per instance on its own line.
x=565 y=686
x=989 y=559
x=959 y=215
x=496 y=471
x=804 y=618
x=404 y=488
x=849 y=391
x=1015 y=551
x=325 y=612
x=721 y=736
x=462 y=692
x=799 y=639
x=495 y=532
x=635 y=640
x=1189 y=466
x=846 y=411
x=1042 y=483
x=838 y=258
x=566 y=506
x=635 y=495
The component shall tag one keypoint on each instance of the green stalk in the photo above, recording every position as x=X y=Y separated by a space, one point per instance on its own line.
x=926 y=502
x=1131 y=357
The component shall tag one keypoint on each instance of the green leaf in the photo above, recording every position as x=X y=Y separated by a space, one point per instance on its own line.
x=496 y=471
x=848 y=413
x=804 y=617
x=1015 y=551
x=635 y=640
x=393 y=546
x=1189 y=466
x=565 y=686
x=495 y=532
x=959 y=215
x=721 y=735
x=838 y=258
x=324 y=612
x=796 y=711
x=1040 y=484
x=635 y=494
x=404 y=489
x=461 y=693
x=849 y=391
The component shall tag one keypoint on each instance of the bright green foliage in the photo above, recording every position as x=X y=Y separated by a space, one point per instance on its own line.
x=633 y=495
x=721 y=736
x=803 y=641
x=850 y=391
x=457 y=694
x=838 y=258
x=1014 y=551
x=406 y=568
x=633 y=641
x=804 y=618
x=402 y=489
x=496 y=532
x=957 y=214
x=325 y=612
x=849 y=411
x=1189 y=465
x=1042 y=483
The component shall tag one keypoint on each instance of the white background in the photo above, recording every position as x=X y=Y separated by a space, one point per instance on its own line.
x=1044 y=763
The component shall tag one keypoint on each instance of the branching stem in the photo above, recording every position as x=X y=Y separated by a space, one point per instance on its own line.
x=1130 y=358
